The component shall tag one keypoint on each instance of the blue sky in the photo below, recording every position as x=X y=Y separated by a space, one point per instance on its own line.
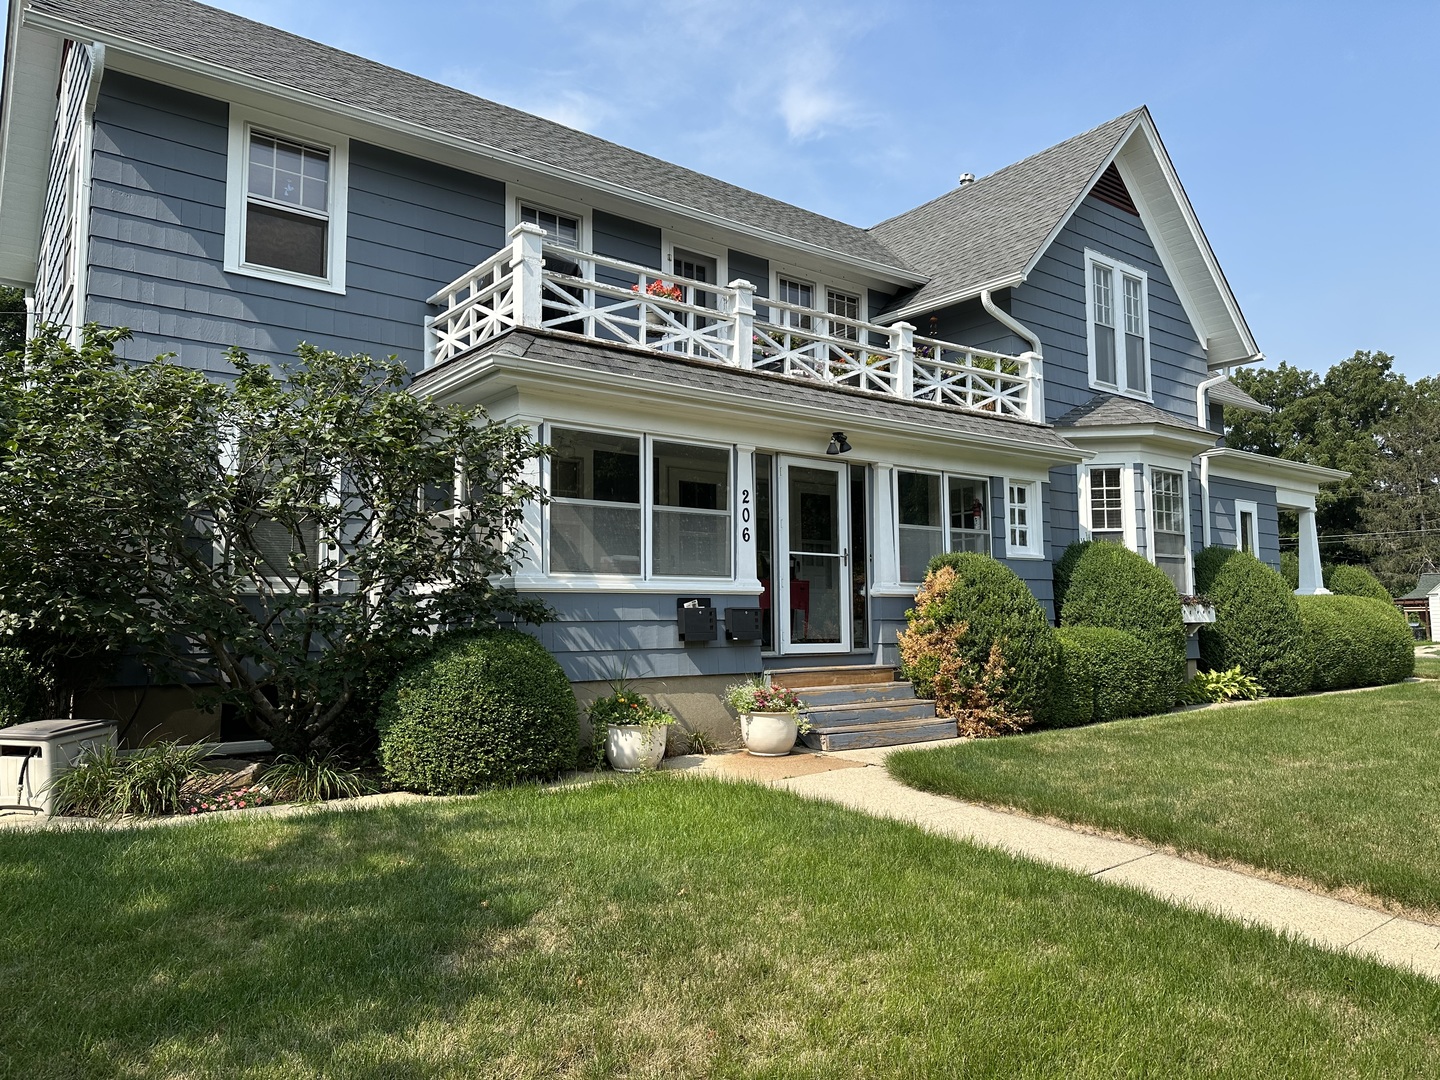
x=1307 y=135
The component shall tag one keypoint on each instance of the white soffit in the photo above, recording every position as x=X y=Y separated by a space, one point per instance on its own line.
x=31 y=75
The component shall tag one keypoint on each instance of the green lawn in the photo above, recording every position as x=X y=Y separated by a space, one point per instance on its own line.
x=1341 y=789
x=1427 y=667
x=664 y=928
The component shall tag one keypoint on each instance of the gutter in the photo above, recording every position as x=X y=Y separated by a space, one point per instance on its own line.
x=1036 y=355
x=208 y=69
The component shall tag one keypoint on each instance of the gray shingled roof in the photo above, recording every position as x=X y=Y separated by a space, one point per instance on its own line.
x=1111 y=410
x=1422 y=588
x=648 y=365
x=1227 y=393
x=208 y=34
x=989 y=230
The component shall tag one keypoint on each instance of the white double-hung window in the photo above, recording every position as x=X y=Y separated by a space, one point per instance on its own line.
x=286 y=198
x=1022 y=520
x=638 y=506
x=1107 y=503
x=1167 y=520
x=1119 y=326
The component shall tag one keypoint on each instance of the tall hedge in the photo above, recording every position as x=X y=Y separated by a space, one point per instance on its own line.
x=1257 y=622
x=1112 y=586
x=1356 y=641
x=979 y=643
x=1106 y=674
x=1065 y=570
x=481 y=710
x=1346 y=580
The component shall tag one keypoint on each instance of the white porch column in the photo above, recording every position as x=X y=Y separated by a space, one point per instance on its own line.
x=885 y=553
x=1312 y=581
x=747 y=566
x=527 y=264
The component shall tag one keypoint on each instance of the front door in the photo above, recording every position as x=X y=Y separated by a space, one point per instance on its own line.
x=813 y=532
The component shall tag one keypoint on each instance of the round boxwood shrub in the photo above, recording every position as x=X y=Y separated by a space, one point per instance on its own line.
x=979 y=643
x=1356 y=641
x=1065 y=570
x=1106 y=674
x=1257 y=622
x=480 y=710
x=1356 y=581
x=1112 y=586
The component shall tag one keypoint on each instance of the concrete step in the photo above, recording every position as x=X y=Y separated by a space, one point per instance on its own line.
x=806 y=678
x=854 y=694
x=868 y=714
x=896 y=734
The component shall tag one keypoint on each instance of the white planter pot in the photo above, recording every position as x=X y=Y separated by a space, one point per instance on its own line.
x=634 y=747
x=768 y=734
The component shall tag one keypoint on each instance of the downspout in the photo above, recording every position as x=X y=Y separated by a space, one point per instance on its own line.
x=1036 y=355
x=1202 y=418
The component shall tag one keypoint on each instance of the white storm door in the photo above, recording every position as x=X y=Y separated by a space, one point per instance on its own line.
x=814 y=542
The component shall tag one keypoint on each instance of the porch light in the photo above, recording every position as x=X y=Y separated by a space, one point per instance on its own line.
x=838 y=445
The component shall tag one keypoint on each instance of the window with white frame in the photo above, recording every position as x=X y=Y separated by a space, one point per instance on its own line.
x=1107 y=503
x=1118 y=326
x=938 y=513
x=563 y=229
x=1247 y=516
x=600 y=508
x=286 y=203
x=847 y=307
x=800 y=294
x=1022 y=519
x=1167 y=501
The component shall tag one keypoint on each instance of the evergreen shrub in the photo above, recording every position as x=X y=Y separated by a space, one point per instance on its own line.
x=1356 y=641
x=1065 y=570
x=1290 y=569
x=978 y=642
x=480 y=710
x=1112 y=586
x=1356 y=581
x=1257 y=622
x=1106 y=674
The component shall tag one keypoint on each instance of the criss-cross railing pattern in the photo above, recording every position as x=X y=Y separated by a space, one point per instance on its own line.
x=536 y=283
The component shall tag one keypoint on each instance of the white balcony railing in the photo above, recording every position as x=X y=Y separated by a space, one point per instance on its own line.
x=538 y=284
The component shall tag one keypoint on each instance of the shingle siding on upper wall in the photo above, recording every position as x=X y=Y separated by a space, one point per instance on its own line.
x=158 y=247
x=54 y=280
x=1052 y=302
x=1223 y=525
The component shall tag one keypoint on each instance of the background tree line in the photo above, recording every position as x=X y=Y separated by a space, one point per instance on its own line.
x=1366 y=418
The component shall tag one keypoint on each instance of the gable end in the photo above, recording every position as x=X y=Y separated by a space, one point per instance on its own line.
x=1110 y=188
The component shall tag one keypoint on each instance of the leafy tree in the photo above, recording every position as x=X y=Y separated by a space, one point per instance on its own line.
x=12 y=318
x=264 y=536
x=1402 y=505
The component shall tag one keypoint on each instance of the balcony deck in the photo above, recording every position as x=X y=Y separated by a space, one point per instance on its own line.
x=533 y=283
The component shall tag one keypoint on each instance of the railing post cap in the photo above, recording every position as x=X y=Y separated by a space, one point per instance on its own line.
x=1030 y=354
x=903 y=326
x=526 y=227
x=741 y=283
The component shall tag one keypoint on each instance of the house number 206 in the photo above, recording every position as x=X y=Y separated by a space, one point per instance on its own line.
x=745 y=516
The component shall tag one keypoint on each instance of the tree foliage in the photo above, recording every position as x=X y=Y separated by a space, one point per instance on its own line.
x=263 y=536
x=12 y=318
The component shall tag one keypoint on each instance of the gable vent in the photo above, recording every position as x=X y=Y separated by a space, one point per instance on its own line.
x=1111 y=189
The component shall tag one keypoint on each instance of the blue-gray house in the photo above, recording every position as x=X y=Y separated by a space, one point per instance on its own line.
x=753 y=408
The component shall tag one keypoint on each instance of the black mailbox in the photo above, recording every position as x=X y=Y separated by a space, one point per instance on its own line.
x=743 y=623
x=697 y=619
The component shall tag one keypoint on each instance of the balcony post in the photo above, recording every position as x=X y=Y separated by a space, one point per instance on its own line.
x=902 y=340
x=1034 y=373
x=742 y=310
x=526 y=264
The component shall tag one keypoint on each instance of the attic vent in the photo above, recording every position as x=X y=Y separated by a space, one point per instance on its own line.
x=1111 y=189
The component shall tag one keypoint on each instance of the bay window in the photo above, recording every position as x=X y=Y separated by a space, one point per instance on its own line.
x=1167 y=500
x=1107 y=504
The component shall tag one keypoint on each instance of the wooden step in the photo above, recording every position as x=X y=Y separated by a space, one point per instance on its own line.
x=896 y=734
x=853 y=694
x=869 y=714
x=800 y=679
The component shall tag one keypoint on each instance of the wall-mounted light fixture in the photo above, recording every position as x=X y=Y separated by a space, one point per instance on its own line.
x=838 y=445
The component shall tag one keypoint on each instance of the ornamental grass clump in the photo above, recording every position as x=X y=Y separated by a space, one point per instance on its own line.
x=1257 y=622
x=107 y=784
x=977 y=641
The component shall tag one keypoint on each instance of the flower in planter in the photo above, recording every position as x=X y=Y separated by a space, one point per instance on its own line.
x=659 y=289
x=756 y=695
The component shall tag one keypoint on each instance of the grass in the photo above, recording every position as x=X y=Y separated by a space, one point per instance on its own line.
x=1340 y=789
x=662 y=928
x=1427 y=667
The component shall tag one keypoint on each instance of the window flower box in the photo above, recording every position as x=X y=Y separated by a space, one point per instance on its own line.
x=1196 y=611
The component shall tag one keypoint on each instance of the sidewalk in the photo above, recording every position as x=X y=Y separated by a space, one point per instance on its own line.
x=859 y=780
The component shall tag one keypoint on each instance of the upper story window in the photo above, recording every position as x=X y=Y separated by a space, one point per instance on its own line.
x=847 y=307
x=560 y=228
x=1107 y=504
x=799 y=293
x=286 y=202
x=1119 y=326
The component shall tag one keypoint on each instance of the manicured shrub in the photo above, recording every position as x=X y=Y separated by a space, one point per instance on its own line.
x=1257 y=622
x=1355 y=581
x=1065 y=570
x=1356 y=641
x=1106 y=674
x=1112 y=586
x=480 y=710
x=1290 y=569
x=979 y=643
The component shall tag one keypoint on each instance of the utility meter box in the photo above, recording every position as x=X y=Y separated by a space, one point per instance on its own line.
x=32 y=755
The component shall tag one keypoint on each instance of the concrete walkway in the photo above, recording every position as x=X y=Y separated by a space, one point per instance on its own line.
x=858 y=779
